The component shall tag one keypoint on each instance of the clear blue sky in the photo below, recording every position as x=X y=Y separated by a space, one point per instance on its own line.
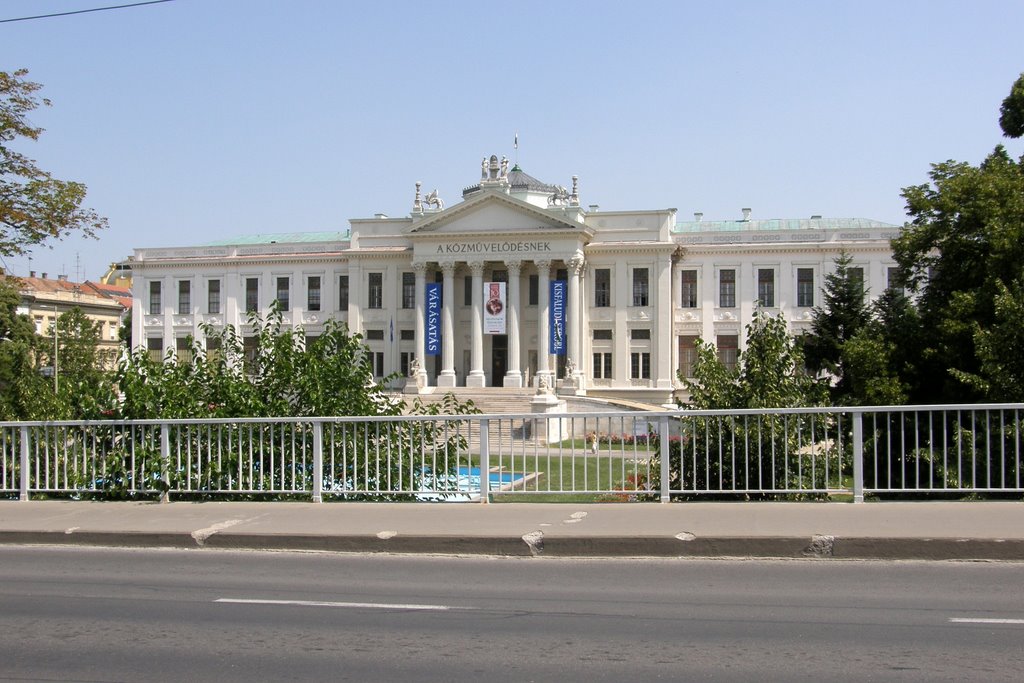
x=197 y=120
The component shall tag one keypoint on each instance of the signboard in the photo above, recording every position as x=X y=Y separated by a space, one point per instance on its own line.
x=433 y=321
x=557 y=313
x=494 y=307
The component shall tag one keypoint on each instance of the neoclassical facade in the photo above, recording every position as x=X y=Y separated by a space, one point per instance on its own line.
x=515 y=285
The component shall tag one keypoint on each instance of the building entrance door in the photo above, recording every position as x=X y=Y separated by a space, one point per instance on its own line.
x=499 y=359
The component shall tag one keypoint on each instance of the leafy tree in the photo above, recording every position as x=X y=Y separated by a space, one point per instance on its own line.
x=998 y=346
x=34 y=206
x=84 y=390
x=1011 y=114
x=769 y=373
x=23 y=393
x=841 y=317
x=962 y=249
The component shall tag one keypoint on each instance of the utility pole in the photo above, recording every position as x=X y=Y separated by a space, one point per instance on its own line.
x=54 y=348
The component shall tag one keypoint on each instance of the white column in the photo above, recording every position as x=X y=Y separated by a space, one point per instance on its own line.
x=574 y=332
x=513 y=378
x=420 y=269
x=677 y=293
x=543 y=331
x=663 y=332
x=476 y=377
x=447 y=376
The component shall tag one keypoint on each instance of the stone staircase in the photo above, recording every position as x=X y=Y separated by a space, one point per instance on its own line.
x=492 y=401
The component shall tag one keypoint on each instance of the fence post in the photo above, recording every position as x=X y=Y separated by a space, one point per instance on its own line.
x=165 y=461
x=318 y=462
x=485 y=461
x=858 y=457
x=666 y=456
x=23 y=485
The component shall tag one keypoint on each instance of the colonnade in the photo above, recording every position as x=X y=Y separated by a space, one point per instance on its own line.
x=476 y=377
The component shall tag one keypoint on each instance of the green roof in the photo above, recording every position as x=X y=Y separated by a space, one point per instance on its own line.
x=782 y=224
x=283 y=238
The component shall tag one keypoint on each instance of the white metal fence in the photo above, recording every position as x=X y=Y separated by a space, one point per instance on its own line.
x=806 y=452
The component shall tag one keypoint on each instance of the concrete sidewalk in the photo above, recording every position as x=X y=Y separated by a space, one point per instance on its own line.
x=913 y=530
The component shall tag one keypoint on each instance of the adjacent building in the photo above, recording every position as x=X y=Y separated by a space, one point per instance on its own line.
x=518 y=284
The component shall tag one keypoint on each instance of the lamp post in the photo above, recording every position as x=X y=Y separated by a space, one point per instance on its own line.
x=55 y=348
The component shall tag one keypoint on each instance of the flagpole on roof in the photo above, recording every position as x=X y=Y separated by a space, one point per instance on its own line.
x=515 y=146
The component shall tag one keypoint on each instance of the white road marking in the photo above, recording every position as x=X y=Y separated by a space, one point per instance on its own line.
x=352 y=605
x=955 y=620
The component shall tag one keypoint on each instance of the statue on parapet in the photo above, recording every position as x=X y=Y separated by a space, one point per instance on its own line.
x=433 y=200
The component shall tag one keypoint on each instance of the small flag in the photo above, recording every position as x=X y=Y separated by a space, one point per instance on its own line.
x=391 y=332
x=516 y=144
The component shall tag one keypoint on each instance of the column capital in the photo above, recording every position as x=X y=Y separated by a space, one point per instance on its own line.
x=543 y=264
x=476 y=268
x=576 y=263
x=448 y=268
x=515 y=266
x=419 y=267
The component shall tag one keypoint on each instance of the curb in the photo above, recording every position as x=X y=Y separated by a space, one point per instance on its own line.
x=818 y=547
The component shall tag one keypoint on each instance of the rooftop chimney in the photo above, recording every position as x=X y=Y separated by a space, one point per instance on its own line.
x=746 y=214
x=698 y=216
x=380 y=216
x=44 y=275
x=31 y=273
x=594 y=207
x=62 y=278
x=816 y=217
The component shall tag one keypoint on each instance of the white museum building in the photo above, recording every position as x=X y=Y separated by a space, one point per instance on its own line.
x=517 y=285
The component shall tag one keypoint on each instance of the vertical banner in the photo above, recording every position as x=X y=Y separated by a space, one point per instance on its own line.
x=558 y=297
x=433 y=321
x=494 y=308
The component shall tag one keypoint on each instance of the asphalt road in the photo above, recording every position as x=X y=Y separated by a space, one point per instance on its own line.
x=137 y=615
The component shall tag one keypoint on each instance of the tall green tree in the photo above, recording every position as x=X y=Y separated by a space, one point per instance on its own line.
x=843 y=313
x=963 y=248
x=34 y=206
x=1011 y=114
x=23 y=393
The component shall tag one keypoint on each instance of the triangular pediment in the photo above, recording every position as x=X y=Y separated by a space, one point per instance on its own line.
x=495 y=213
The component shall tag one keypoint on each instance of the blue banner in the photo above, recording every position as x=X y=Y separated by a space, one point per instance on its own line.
x=433 y=314
x=557 y=309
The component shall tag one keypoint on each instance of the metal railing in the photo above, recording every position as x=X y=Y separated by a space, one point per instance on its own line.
x=680 y=455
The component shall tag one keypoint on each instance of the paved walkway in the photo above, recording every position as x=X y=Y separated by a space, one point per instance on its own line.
x=918 y=530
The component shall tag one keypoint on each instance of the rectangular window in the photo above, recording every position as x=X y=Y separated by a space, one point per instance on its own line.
x=602 y=366
x=727 y=288
x=805 y=287
x=213 y=349
x=856 y=275
x=155 y=305
x=499 y=276
x=184 y=297
x=252 y=294
x=155 y=346
x=641 y=287
x=213 y=296
x=534 y=287
x=249 y=349
x=182 y=350
x=689 y=289
x=602 y=287
x=283 y=294
x=603 y=335
x=343 y=292
x=375 y=291
x=640 y=335
x=405 y=362
x=408 y=290
x=313 y=293
x=895 y=280
x=467 y=291
x=375 y=335
x=640 y=365
x=377 y=357
x=407 y=335
x=728 y=350
x=766 y=287
x=687 y=355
